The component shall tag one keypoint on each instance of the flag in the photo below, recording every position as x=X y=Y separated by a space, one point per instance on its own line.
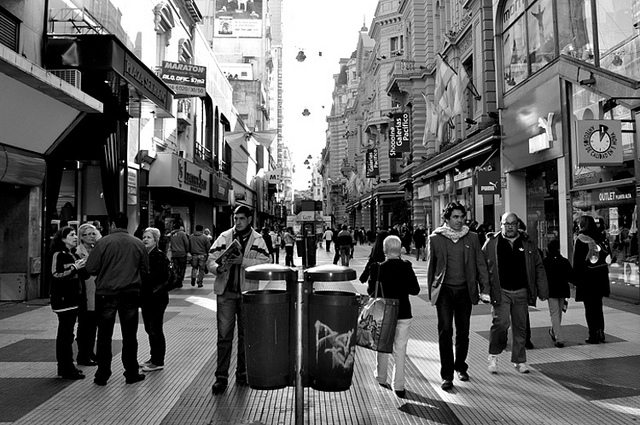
x=444 y=75
x=431 y=122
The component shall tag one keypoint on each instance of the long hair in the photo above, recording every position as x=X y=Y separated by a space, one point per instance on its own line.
x=377 y=252
x=587 y=226
x=57 y=244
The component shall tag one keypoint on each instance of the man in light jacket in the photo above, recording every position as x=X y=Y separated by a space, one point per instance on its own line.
x=228 y=287
x=517 y=279
x=199 y=245
x=455 y=269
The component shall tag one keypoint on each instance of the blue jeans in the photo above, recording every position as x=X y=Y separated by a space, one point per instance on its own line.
x=513 y=308
x=153 y=318
x=125 y=305
x=454 y=303
x=179 y=268
x=198 y=262
x=288 y=249
x=229 y=311
x=345 y=254
x=64 y=341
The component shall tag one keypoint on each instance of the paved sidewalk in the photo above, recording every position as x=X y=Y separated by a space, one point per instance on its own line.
x=578 y=384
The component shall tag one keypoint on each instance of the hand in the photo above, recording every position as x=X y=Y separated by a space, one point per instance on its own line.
x=235 y=259
x=485 y=298
x=80 y=263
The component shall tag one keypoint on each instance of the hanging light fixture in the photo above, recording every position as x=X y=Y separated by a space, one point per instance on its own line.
x=306 y=112
x=301 y=56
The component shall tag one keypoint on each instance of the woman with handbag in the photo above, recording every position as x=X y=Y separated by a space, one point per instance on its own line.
x=154 y=298
x=397 y=280
x=376 y=256
x=591 y=258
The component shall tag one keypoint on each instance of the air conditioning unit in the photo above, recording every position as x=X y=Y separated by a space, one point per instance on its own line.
x=71 y=76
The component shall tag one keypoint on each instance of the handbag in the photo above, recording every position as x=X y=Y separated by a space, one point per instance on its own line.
x=377 y=321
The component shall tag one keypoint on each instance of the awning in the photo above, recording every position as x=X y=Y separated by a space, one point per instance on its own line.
x=37 y=108
x=98 y=52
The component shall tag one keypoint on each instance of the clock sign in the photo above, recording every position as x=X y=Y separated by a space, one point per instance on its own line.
x=599 y=142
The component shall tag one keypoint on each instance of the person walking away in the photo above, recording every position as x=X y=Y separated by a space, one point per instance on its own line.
x=179 y=249
x=345 y=240
x=154 y=299
x=328 y=236
x=559 y=274
x=87 y=322
x=591 y=259
x=515 y=266
x=456 y=276
x=118 y=261
x=336 y=247
x=420 y=240
x=289 y=240
x=228 y=286
x=375 y=256
x=65 y=298
x=398 y=281
x=199 y=245
x=275 y=242
x=266 y=235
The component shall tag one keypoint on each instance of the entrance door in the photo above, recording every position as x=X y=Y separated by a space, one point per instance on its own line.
x=543 y=210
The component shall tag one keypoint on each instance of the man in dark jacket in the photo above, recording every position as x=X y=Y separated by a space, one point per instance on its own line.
x=199 y=245
x=345 y=241
x=455 y=267
x=118 y=260
x=517 y=279
x=179 y=250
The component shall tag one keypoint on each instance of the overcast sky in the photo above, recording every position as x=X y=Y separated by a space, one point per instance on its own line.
x=329 y=27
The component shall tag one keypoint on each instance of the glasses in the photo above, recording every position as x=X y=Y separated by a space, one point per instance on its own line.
x=88 y=234
x=510 y=223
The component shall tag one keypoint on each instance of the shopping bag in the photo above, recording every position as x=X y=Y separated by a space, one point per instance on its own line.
x=377 y=322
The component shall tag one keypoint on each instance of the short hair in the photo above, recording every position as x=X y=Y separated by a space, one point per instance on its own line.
x=199 y=227
x=243 y=209
x=344 y=227
x=120 y=220
x=392 y=245
x=554 y=245
x=448 y=209
x=154 y=232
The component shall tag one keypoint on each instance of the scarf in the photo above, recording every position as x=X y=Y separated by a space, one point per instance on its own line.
x=448 y=232
x=594 y=248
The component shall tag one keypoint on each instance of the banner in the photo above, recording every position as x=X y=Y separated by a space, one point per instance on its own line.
x=599 y=142
x=489 y=182
x=372 y=169
x=238 y=18
x=186 y=80
x=399 y=135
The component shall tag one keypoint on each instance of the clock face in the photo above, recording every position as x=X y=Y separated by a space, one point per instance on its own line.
x=600 y=141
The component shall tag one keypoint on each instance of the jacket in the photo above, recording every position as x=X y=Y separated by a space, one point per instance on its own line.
x=591 y=279
x=255 y=253
x=118 y=260
x=475 y=266
x=537 y=286
x=398 y=281
x=344 y=238
x=179 y=244
x=155 y=279
x=199 y=244
x=65 y=289
x=559 y=274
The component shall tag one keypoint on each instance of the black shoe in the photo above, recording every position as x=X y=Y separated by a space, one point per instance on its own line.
x=219 y=386
x=87 y=362
x=447 y=385
x=99 y=381
x=135 y=378
x=559 y=344
x=386 y=386
x=73 y=374
x=553 y=336
x=592 y=340
x=529 y=345
x=401 y=394
x=601 y=337
x=241 y=380
x=463 y=376
x=193 y=281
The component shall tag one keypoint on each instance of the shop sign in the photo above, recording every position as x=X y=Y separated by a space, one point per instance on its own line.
x=220 y=188
x=186 y=80
x=132 y=186
x=169 y=170
x=372 y=165
x=424 y=191
x=489 y=182
x=274 y=176
x=612 y=195
x=542 y=141
x=462 y=175
x=599 y=142
x=399 y=135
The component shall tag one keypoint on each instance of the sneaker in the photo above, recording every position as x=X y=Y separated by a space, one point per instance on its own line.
x=521 y=367
x=447 y=385
x=199 y=285
x=147 y=363
x=219 y=386
x=152 y=367
x=493 y=363
x=463 y=376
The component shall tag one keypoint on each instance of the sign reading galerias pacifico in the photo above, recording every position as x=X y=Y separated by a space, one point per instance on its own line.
x=599 y=142
x=372 y=169
x=186 y=80
x=399 y=135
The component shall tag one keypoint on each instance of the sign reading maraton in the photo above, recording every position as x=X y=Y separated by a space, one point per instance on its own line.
x=187 y=80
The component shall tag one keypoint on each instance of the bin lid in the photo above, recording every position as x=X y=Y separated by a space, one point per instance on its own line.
x=330 y=273
x=270 y=272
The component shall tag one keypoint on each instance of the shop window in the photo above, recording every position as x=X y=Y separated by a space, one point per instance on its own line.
x=514 y=54
x=618 y=43
x=575 y=29
x=542 y=43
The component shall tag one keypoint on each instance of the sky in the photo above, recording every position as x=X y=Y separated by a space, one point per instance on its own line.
x=329 y=27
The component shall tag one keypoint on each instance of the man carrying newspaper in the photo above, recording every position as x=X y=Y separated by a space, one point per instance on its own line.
x=227 y=264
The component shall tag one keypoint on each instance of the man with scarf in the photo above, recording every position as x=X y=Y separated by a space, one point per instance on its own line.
x=228 y=287
x=455 y=268
x=517 y=272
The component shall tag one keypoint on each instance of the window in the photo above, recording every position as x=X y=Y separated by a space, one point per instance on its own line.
x=397 y=45
x=575 y=29
x=9 y=30
x=514 y=54
x=542 y=41
x=618 y=43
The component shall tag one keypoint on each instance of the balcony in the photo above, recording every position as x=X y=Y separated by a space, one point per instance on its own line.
x=184 y=114
x=402 y=74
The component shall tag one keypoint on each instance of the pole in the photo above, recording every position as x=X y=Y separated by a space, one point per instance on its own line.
x=299 y=408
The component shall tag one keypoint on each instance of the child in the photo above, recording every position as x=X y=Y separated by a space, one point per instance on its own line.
x=559 y=274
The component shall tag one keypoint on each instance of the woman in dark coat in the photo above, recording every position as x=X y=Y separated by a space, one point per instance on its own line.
x=559 y=274
x=376 y=255
x=591 y=270
x=65 y=298
x=154 y=298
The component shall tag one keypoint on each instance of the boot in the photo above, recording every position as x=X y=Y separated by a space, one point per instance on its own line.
x=601 y=336
x=193 y=281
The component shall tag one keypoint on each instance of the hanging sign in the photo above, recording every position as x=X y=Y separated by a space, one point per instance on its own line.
x=372 y=169
x=489 y=182
x=399 y=135
x=187 y=80
x=599 y=142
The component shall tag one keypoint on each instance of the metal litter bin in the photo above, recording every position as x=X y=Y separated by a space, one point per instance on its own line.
x=267 y=317
x=333 y=320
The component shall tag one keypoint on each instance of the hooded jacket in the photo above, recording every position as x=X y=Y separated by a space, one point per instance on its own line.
x=537 y=286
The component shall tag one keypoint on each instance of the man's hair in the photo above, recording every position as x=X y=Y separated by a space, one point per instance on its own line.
x=448 y=210
x=199 y=227
x=243 y=209
x=392 y=245
x=344 y=227
x=120 y=220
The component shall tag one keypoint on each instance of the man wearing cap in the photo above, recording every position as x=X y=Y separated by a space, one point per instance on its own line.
x=228 y=286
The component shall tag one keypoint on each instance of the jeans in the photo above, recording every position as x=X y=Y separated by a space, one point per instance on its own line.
x=276 y=255
x=399 y=355
x=555 y=311
x=327 y=245
x=513 y=308
x=153 y=319
x=229 y=311
x=594 y=315
x=345 y=254
x=86 y=339
x=198 y=261
x=288 y=249
x=64 y=341
x=454 y=303
x=179 y=268
x=125 y=305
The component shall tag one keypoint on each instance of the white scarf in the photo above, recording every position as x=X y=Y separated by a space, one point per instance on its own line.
x=448 y=232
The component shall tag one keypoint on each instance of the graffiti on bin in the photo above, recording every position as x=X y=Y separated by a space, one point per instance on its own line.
x=339 y=345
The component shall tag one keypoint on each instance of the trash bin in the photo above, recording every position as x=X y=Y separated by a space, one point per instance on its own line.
x=333 y=320
x=267 y=333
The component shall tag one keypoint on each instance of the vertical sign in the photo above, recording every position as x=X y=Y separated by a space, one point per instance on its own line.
x=372 y=163
x=399 y=135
